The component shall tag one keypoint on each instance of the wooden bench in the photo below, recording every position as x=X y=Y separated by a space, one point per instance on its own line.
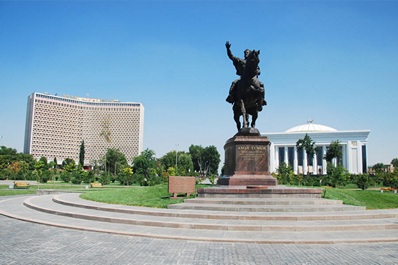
x=96 y=185
x=21 y=185
x=389 y=189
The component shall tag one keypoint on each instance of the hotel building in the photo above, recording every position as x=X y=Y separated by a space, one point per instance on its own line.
x=283 y=148
x=56 y=126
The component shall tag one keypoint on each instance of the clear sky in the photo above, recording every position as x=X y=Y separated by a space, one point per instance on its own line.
x=335 y=62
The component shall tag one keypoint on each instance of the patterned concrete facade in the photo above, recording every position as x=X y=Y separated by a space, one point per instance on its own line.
x=56 y=126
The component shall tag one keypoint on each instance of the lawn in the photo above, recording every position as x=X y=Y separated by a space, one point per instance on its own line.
x=158 y=196
x=153 y=196
x=372 y=199
x=5 y=191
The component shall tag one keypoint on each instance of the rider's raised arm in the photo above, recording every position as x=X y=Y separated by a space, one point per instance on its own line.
x=228 y=46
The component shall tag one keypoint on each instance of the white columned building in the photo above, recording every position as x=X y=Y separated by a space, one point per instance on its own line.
x=283 y=148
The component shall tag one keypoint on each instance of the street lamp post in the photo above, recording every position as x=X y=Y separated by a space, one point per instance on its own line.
x=176 y=160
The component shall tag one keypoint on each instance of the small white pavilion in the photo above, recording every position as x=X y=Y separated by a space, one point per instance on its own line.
x=283 y=148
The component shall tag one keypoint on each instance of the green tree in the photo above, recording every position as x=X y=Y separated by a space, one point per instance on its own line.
x=24 y=170
x=285 y=174
x=334 y=151
x=68 y=166
x=390 y=179
x=115 y=161
x=337 y=175
x=41 y=170
x=144 y=167
x=181 y=160
x=205 y=160
x=394 y=162
x=81 y=154
x=363 y=181
x=184 y=165
x=14 y=167
x=125 y=177
x=308 y=145
x=78 y=175
x=169 y=160
x=378 y=168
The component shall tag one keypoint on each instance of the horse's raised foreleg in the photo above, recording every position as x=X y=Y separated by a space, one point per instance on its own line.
x=237 y=120
x=244 y=114
x=254 y=118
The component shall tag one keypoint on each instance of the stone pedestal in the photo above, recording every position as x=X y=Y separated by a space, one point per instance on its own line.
x=247 y=160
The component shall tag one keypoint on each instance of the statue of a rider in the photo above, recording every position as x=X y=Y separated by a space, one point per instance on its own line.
x=240 y=65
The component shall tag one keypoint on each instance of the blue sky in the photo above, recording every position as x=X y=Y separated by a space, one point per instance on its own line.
x=335 y=62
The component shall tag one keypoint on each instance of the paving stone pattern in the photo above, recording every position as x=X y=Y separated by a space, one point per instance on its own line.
x=29 y=243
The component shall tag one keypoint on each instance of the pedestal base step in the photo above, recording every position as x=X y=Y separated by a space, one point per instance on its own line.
x=259 y=191
x=248 y=180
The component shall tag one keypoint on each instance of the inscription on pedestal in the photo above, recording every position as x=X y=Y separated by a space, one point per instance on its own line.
x=247 y=152
x=247 y=156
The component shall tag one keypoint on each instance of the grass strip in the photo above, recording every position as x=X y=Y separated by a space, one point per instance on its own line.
x=152 y=196
x=372 y=199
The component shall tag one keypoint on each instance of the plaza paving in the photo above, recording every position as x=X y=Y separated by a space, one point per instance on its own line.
x=29 y=243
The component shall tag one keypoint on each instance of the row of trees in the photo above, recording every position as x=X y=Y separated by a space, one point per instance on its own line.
x=146 y=169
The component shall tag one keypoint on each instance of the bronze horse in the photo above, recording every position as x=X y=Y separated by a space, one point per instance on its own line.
x=248 y=93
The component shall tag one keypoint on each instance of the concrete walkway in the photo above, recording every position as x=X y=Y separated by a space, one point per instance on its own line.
x=29 y=243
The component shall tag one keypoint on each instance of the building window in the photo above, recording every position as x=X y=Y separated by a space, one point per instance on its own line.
x=290 y=154
x=319 y=156
x=281 y=155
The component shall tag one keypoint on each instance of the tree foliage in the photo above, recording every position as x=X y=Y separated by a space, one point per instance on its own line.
x=306 y=144
x=41 y=170
x=205 y=160
x=81 y=154
x=115 y=161
x=144 y=167
x=394 y=162
x=285 y=174
x=378 y=168
x=180 y=163
x=337 y=175
x=334 y=151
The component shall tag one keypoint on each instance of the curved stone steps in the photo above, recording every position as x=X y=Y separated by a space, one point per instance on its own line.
x=75 y=201
x=41 y=204
x=268 y=208
x=51 y=213
x=265 y=201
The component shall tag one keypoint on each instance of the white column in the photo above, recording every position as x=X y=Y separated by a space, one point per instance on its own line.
x=324 y=163
x=305 y=164
x=346 y=156
x=359 y=157
x=272 y=157
x=276 y=157
x=314 y=164
x=295 y=162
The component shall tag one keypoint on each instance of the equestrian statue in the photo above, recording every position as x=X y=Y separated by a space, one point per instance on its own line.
x=247 y=92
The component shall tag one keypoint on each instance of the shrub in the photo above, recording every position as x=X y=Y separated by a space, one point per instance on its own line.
x=45 y=176
x=363 y=181
x=66 y=176
x=337 y=175
x=391 y=180
x=89 y=177
x=286 y=175
x=104 y=178
x=126 y=176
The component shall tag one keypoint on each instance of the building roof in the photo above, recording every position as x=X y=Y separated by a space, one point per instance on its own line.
x=311 y=127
